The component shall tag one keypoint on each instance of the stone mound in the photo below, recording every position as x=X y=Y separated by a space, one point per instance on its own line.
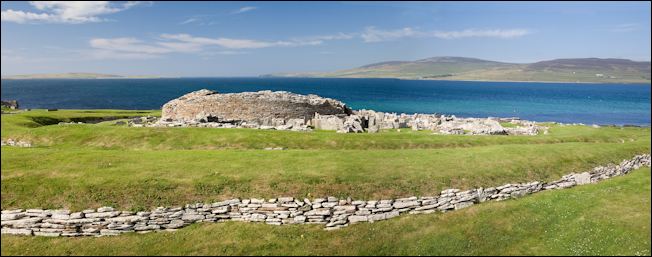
x=260 y=107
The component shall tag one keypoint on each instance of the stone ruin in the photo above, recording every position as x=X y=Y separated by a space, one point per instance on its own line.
x=288 y=111
x=249 y=109
x=11 y=104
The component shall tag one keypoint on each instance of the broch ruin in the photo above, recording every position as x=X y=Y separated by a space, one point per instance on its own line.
x=282 y=110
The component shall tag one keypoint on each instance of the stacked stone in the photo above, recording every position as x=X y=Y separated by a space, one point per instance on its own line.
x=275 y=124
x=372 y=122
x=331 y=212
x=146 y=121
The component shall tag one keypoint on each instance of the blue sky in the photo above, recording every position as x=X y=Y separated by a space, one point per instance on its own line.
x=253 y=38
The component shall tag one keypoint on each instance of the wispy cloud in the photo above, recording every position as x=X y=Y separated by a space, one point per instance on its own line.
x=625 y=27
x=337 y=36
x=496 y=33
x=189 y=20
x=73 y=12
x=244 y=9
x=127 y=47
x=232 y=43
x=372 y=34
x=9 y=55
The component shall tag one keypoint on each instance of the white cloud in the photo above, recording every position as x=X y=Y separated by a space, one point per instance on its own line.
x=338 y=36
x=497 y=33
x=626 y=27
x=227 y=52
x=128 y=45
x=73 y=12
x=371 y=34
x=236 y=43
x=132 y=48
x=244 y=9
x=23 y=17
x=190 y=20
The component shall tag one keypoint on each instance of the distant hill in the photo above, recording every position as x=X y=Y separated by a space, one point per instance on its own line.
x=78 y=75
x=462 y=68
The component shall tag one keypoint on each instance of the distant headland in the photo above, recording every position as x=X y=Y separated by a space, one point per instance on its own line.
x=579 y=70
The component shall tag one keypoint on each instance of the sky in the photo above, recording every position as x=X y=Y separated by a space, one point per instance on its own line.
x=234 y=39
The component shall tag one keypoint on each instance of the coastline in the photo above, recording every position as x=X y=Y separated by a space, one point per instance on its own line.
x=649 y=83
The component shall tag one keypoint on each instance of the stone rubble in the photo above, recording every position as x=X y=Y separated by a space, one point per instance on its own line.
x=10 y=104
x=139 y=121
x=331 y=212
x=13 y=142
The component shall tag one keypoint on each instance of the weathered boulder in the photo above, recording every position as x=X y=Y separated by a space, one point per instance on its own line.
x=352 y=124
x=472 y=126
x=260 y=107
x=328 y=122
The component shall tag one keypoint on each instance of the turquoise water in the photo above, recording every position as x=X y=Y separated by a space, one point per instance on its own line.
x=619 y=104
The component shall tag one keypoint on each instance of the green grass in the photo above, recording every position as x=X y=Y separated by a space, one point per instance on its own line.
x=508 y=125
x=609 y=218
x=81 y=166
x=32 y=126
x=91 y=165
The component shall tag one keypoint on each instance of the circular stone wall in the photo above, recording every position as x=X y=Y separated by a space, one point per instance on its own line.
x=206 y=105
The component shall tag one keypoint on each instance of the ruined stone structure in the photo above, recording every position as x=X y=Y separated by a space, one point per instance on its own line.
x=261 y=107
x=11 y=104
x=332 y=212
x=288 y=111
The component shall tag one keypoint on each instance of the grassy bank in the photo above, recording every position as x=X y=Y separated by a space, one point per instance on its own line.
x=90 y=165
x=610 y=218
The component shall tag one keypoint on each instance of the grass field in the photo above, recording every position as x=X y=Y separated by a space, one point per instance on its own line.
x=610 y=218
x=82 y=166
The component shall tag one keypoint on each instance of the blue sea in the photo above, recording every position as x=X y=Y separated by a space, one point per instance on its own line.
x=616 y=104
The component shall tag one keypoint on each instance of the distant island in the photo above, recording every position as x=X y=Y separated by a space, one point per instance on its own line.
x=461 y=68
x=76 y=75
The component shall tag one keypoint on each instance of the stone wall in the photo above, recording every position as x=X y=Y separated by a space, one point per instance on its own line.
x=331 y=212
x=261 y=107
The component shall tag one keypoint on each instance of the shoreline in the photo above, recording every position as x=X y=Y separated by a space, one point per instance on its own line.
x=508 y=81
x=647 y=125
x=307 y=77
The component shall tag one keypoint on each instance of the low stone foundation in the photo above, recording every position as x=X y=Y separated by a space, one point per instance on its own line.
x=331 y=212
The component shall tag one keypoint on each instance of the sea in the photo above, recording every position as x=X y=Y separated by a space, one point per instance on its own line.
x=602 y=104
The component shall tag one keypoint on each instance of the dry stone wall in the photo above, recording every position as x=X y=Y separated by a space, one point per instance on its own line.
x=331 y=212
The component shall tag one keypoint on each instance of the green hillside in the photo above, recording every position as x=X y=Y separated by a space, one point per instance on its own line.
x=460 y=68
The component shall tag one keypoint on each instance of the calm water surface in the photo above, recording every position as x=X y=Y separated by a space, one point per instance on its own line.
x=618 y=104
